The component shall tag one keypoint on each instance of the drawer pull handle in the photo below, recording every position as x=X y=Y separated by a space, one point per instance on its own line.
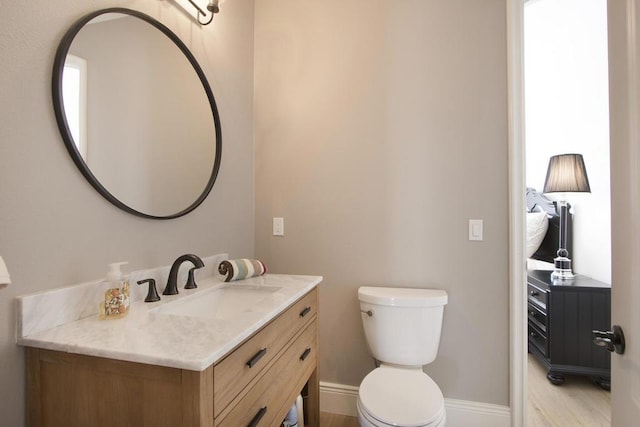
x=251 y=363
x=306 y=354
x=305 y=311
x=533 y=334
x=534 y=293
x=256 y=419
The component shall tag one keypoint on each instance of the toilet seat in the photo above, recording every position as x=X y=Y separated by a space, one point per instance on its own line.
x=367 y=420
x=393 y=396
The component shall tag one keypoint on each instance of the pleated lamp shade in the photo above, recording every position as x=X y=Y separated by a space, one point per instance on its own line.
x=567 y=174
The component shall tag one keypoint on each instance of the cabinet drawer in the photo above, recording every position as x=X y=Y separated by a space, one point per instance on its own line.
x=537 y=316
x=536 y=295
x=266 y=400
x=236 y=370
x=539 y=339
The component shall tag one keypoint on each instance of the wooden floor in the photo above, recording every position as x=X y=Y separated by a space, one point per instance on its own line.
x=333 y=420
x=577 y=402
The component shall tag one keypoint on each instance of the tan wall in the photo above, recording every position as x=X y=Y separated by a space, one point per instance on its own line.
x=54 y=228
x=381 y=129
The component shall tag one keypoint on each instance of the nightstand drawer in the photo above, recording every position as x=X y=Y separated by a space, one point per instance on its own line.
x=537 y=316
x=537 y=296
x=538 y=339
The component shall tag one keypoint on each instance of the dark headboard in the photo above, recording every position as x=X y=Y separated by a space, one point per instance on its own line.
x=538 y=202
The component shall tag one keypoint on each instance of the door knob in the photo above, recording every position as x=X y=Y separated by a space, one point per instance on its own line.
x=611 y=340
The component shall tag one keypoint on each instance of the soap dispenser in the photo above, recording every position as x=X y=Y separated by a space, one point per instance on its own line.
x=116 y=297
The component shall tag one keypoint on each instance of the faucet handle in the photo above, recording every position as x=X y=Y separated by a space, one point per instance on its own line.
x=191 y=280
x=152 y=295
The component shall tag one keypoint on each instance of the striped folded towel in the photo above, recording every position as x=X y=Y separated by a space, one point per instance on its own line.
x=237 y=269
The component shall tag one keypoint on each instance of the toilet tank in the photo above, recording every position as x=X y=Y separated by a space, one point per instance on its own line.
x=402 y=325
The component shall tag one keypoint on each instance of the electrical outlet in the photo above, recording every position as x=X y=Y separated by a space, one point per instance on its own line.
x=278 y=226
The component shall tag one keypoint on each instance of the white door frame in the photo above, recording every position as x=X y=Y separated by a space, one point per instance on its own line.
x=517 y=259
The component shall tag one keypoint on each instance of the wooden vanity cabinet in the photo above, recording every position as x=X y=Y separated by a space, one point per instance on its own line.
x=258 y=380
x=269 y=369
x=65 y=389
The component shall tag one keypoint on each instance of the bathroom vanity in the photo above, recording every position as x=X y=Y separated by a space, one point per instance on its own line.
x=176 y=364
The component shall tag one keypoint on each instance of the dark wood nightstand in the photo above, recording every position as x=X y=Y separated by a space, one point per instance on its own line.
x=561 y=316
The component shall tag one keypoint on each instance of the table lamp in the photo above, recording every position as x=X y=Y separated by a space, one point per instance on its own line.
x=566 y=174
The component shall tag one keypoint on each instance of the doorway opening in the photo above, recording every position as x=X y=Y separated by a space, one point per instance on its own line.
x=566 y=111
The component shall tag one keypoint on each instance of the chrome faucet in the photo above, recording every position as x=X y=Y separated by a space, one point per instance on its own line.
x=172 y=285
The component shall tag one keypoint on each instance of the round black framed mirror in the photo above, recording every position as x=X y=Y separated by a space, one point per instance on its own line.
x=136 y=113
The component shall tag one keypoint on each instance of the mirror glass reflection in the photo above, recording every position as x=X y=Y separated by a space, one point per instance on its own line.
x=138 y=116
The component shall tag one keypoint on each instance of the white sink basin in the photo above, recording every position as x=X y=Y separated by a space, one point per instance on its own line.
x=221 y=303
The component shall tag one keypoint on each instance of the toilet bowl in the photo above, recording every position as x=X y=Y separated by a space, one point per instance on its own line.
x=396 y=396
x=402 y=328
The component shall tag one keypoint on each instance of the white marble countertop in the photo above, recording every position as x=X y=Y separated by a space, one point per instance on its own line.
x=148 y=335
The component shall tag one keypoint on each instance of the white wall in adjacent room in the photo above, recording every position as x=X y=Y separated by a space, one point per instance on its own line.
x=567 y=111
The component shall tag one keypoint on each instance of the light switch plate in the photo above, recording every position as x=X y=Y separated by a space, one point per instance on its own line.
x=475 y=229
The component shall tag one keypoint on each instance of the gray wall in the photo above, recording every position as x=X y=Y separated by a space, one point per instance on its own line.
x=54 y=228
x=381 y=129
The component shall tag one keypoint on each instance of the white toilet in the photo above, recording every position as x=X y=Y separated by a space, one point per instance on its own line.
x=402 y=327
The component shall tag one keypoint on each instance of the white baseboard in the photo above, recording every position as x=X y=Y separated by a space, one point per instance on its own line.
x=462 y=413
x=341 y=399
x=338 y=399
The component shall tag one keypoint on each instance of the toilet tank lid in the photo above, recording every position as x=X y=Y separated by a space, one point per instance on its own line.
x=403 y=297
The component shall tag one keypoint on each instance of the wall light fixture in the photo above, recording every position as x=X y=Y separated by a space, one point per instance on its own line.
x=206 y=16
